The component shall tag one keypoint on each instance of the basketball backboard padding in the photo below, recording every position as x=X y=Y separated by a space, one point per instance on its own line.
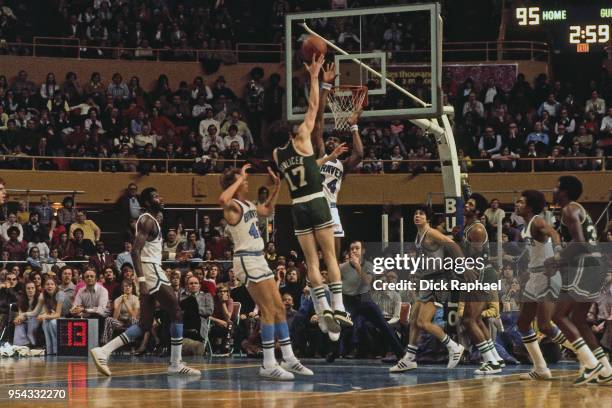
x=382 y=56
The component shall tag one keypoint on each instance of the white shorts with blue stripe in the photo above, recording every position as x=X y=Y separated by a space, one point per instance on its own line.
x=251 y=266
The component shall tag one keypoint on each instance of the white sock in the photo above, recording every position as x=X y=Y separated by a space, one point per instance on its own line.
x=336 y=296
x=449 y=343
x=269 y=360
x=485 y=352
x=600 y=355
x=410 y=352
x=176 y=350
x=320 y=298
x=287 y=350
x=584 y=353
x=114 y=344
x=533 y=348
x=494 y=350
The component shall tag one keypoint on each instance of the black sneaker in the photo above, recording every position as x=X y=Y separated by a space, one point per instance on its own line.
x=343 y=318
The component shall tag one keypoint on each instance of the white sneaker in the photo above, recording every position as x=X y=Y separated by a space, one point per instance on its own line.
x=330 y=321
x=535 y=374
x=295 y=367
x=276 y=373
x=100 y=358
x=454 y=356
x=403 y=365
x=182 y=369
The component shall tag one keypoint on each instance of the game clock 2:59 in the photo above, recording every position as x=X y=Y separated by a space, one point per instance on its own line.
x=590 y=34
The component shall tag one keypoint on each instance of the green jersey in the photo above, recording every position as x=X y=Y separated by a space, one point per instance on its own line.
x=588 y=227
x=302 y=173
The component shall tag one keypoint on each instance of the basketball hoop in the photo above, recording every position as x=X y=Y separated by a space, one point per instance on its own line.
x=344 y=100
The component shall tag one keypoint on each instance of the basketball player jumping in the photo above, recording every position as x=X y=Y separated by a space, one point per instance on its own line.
x=580 y=264
x=431 y=244
x=541 y=289
x=252 y=268
x=476 y=245
x=154 y=286
x=312 y=219
x=332 y=169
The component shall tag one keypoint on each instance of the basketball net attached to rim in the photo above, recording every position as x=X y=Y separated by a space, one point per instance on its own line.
x=344 y=101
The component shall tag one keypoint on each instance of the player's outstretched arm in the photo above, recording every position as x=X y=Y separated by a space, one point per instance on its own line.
x=357 y=153
x=144 y=228
x=329 y=75
x=266 y=209
x=338 y=151
x=546 y=230
x=232 y=211
x=447 y=243
x=305 y=130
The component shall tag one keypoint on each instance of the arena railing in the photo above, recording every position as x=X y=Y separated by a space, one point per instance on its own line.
x=243 y=52
x=592 y=163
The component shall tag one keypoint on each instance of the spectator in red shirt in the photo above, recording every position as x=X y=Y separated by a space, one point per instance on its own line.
x=17 y=249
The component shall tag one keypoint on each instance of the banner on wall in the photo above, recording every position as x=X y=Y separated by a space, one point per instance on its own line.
x=504 y=74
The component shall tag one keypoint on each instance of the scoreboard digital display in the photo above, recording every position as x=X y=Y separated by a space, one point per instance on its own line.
x=583 y=28
x=75 y=337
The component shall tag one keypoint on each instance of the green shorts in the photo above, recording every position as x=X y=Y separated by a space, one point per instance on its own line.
x=311 y=215
x=488 y=274
x=583 y=279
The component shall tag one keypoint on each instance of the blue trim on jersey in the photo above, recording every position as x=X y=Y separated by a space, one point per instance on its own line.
x=249 y=253
x=332 y=205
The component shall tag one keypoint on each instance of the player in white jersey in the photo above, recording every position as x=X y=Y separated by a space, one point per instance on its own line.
x=154 y=287
x=333 y=169
x=542 y=287
x=251 y=268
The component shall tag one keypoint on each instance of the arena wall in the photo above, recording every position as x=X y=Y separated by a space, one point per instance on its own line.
x=189 y=189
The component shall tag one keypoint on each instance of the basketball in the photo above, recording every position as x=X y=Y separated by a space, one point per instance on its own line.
x=313 y=46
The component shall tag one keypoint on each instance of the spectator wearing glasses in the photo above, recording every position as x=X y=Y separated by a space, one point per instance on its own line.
x=197 y=307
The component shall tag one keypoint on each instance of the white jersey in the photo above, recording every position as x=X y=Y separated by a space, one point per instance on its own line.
x=538 y=251
x=244 y=233
x=152 y=250
x=332 y=172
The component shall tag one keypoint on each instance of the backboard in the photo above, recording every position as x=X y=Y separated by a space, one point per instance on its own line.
x=383 y=38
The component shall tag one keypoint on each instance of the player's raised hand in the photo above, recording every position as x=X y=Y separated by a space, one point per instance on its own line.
x=339 y=151
x=315 y=67
x=275 y=179
x=329 y=73
x=354 y=118
x=243 y=171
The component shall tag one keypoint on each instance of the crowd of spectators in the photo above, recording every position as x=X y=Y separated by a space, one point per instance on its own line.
x=210 y=127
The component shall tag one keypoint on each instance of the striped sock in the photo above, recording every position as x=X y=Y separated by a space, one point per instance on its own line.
x=584 y=353
x=601 y=356
x=282 y=333
x=267 y=343
x=485 y=352
x=530 y=340
x=411 y=352
x=561 y=340
x=176 y=342
x=115 y=343
x=336 y=290
x=449 y=343
x=494 y=350
x=320 y=298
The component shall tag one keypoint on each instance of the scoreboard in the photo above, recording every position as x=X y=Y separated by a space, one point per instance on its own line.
x=582 y=28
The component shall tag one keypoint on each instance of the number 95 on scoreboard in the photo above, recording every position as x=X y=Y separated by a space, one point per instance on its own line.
x=582 y=28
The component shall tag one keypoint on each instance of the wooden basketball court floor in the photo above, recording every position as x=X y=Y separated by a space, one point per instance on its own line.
x=142 y=382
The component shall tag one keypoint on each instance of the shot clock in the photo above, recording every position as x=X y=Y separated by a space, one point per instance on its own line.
x=75 y=337
x=584 y=28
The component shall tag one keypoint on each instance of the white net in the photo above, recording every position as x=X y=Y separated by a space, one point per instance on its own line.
x=344 y=101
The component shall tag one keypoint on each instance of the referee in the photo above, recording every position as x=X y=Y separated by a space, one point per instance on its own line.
x=356 y=285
